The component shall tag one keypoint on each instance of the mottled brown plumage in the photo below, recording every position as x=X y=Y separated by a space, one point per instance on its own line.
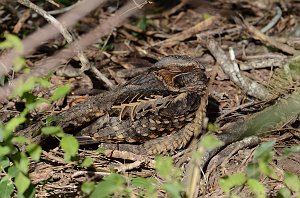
x=154 y=112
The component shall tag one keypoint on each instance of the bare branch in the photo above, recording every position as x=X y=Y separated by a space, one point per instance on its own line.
x=48 y=32
x=231 y=69
x=43 y=67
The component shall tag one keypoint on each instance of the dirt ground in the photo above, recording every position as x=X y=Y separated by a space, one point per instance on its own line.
x=159 y=29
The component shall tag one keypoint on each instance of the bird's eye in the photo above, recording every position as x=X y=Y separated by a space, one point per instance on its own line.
x=183 y=80
x=190 y=81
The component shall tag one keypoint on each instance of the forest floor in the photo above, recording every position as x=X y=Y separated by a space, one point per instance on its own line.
x=155 y=31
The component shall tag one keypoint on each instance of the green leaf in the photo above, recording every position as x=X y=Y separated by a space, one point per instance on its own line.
x=100 y=150
x=3 y=133
x=266 y=169
x=284 y=193
x=52 y=130
x=7 y=188
x=20 y=140
x=143 y=23
x=29 y=97
x=142 y=182
x=18 y=63
x=70 y=146
x=257 y=188
x=32 y=105
x=87 y=162
x=22 y=183
x=210 y=142
x=15 y=41
x=34 y=151
x=291 y=150
x=174 y=189
x=206 y=15
x=252 y=171
x=263 y=150
x=22 y=162
x=88 y=187
x=4 y=150
x=23 y=87
x=213 y=127
x=231 y=181
x=112 y=183
x=13 y=171
x=292 y=181
x=12 y=41
x=146 y=183
x=6 y=44
x=60 y=92
x=12 y=124
x=30 y=192
x=164 y=165
x=51 y=119
x=4 y=163
x=43 y=82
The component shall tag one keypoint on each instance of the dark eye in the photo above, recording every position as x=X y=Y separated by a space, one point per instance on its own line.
x=190 y=81
x=183 y=80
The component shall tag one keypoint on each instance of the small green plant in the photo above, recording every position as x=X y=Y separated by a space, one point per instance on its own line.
x=117 y=185
x=12 y=41
x=106 y=45
x=111 y=184
x=260 y=167
x=142 y=23
x=14 y=163
x=171 y=174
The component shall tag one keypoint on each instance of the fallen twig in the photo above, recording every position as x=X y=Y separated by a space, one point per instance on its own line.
x=251 y=87
x=80 y=173
x=85 y=65
x=203 y=25
x=274 y=20
x=63 y=10
x=48 y=32
x=255 y=33
x=21 y=21
x=125 y=167
x=224 y=156
x=129 y=156
x=44 y=66
x=271 y=118
x=262 y=61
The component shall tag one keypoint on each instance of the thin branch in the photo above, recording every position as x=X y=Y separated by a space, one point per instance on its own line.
x=63 y=10
x=274 y=20
x=251 y=87
x=44 y=66
x=49 y=18
x=67 y=35
x=256 y=34
x=270 y=119
x=32 y=42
